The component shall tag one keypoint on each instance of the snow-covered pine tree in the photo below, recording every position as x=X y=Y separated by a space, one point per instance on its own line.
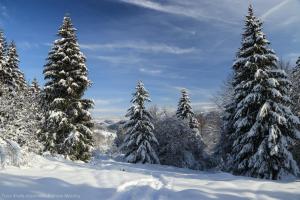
x=35 y=87
x=264 y=126
x=12 y=63
x=68 y=124
x=6 y=77
x=139 y=136
x=295 y=76
x=185 y=111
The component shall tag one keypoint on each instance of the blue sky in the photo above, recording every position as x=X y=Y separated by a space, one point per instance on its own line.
x=169 y=44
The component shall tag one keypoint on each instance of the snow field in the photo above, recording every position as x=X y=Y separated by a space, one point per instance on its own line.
x=49 y=178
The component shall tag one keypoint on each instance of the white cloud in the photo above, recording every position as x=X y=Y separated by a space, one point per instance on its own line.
x=119 y=59
x=104 y=102
x=180 y=88
x=149 y=71
x=274 y=9
x=108 y=110
x=27 y=45
x=228 y=12
x=100 y=118
x=203 y=106
x=186 y=8
x=158 y=72
x=3 y=11
x=142 y=46
x=108 y=113
x=283 y=14
x=194 y=91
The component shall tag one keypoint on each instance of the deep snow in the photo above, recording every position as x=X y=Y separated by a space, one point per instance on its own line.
x=52 y=178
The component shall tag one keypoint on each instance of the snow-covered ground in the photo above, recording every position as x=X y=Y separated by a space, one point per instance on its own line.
x=49 y=178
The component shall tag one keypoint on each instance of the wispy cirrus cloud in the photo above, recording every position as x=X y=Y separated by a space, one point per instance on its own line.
x=28 y=45
x=204 y=106
x=141 y=46
x=108 y=107
x=104 y=102
x=192 y=9
x=274 y=9
x=4 y=16
x=150 y=71
x=119 y=59
x=206 y=93
x=161 y=72
x=108 y=113
x=4 y=11
x=285 y=11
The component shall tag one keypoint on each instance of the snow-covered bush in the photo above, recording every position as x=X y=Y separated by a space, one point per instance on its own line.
x=11 y=154
x=178 y=144
x=104 y=141
x=2 y=153
x=20 y=117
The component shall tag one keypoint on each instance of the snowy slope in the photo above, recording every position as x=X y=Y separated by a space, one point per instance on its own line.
x=50 y=178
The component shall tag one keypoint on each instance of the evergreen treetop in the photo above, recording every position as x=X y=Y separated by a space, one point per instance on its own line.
x=184 y=110
x=5 y=72
x=35 y=87
x=12 y=63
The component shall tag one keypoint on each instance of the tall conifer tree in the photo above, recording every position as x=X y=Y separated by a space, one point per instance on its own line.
x=67 y=128
x=296 y=88
x=295 y=93
x=263 y=125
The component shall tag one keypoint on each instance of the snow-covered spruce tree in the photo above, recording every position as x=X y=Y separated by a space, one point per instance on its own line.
x=240 y=75
x=295 y=94
x=12 y=63
x=67 y=128
x=184 y=110
x=139 y=136
x=35 y=87
x=6 y=77
x=264 y=126
x=295 y=76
